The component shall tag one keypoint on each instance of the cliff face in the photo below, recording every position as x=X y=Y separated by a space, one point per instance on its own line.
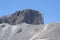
x=28 y=16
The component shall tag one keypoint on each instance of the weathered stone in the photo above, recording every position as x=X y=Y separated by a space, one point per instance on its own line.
x=28 y=16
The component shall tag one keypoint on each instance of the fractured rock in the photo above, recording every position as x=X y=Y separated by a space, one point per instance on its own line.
x=28 y=16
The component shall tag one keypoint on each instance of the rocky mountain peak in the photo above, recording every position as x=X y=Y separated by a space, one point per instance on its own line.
x=28 y=16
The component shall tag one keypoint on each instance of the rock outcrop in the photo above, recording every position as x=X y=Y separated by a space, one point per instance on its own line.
x=28 y=16
x=24 y=30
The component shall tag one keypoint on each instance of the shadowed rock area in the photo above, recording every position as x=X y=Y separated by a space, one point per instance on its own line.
x=28 y=16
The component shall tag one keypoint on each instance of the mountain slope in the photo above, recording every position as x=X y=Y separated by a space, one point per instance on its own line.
x=27 y=24
x=25 y=31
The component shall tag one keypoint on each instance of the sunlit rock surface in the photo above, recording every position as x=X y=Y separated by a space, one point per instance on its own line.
x=26 y=31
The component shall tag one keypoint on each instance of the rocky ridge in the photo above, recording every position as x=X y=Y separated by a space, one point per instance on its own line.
x=28 y=16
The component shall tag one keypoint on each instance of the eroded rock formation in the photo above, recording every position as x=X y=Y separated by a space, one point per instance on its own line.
x=28 y=16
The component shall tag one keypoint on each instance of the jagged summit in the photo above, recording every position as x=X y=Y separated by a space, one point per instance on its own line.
x=28 y=16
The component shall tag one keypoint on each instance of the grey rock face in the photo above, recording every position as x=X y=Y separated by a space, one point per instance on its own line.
x=28 y=16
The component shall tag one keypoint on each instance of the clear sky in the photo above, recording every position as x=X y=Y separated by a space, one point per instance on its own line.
x=49 y=8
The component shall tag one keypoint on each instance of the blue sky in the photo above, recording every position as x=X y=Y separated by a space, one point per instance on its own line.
x=49 y=8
